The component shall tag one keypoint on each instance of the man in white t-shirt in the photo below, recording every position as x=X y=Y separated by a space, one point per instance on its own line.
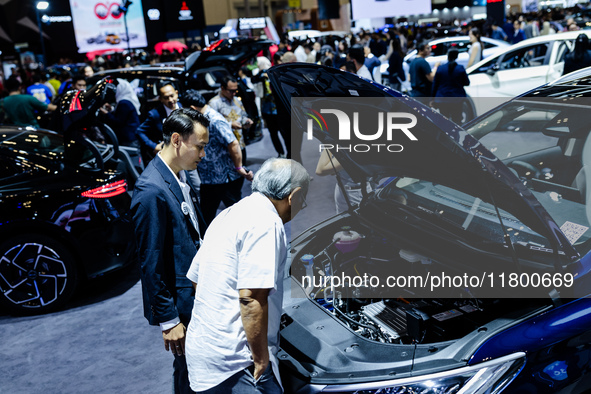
x=238 y=273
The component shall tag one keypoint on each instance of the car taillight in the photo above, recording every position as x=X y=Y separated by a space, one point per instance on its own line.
x=108 y=190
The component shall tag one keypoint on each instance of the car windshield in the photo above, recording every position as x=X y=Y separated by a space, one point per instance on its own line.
x=459 y=217
x=33 y=142
x=545 y=142
x=47 y=145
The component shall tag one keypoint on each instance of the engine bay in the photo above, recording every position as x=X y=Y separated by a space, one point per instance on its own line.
x=355 y=251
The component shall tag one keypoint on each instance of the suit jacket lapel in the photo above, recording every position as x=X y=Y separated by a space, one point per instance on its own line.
x=175 y=189
x=200 y=218
x=162 y=111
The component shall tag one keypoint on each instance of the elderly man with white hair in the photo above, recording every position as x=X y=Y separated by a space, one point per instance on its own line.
x=238 y=273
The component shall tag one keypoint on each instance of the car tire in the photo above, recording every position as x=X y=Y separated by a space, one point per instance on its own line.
x=37 y=274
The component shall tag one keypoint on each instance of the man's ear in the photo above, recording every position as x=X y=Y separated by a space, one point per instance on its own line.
x=295 y=194
x=175 y=139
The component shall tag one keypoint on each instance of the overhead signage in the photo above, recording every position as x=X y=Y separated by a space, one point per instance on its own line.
x=251 y=23
x=495 y=10
x=366 y=9
x=54 y=19
x=99 y=25
x=154 y=14
x=183 y=15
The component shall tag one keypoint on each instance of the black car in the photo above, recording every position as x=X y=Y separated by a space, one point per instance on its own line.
x=203 y=71
x=63 y=210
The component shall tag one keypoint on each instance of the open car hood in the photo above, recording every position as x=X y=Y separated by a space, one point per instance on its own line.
x=442 y=152
x=230 y=53
x=78 y=107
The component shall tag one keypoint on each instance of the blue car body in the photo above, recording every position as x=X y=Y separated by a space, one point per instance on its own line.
x=542 y=343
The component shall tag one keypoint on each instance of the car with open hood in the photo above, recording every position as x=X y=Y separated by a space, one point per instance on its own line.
x=501 y=209
x=63 y=208
x=203 y=70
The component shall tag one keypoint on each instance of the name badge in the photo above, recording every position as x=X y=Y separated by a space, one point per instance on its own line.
x=185 y=208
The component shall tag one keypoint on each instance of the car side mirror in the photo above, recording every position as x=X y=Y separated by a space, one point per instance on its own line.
x=493 y=70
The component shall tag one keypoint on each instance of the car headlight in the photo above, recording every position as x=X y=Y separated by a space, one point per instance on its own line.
x=489 y=377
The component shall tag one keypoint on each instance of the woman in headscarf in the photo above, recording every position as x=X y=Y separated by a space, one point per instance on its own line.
x=125 y=119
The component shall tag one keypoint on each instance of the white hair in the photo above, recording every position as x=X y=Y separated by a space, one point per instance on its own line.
x=277 y=178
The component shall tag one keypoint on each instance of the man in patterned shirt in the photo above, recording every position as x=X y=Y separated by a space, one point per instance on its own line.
x=232 y=109
x=221 y=170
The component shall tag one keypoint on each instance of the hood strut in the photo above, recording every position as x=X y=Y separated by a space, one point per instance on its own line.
x=340 y=182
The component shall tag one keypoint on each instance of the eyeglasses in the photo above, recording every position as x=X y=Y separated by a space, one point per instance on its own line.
x=233 y=91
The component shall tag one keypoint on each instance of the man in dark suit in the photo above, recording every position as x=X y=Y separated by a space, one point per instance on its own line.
x=167 y=224
x=150 y=131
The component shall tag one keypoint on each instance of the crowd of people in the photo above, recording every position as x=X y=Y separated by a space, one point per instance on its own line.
x=362 y=53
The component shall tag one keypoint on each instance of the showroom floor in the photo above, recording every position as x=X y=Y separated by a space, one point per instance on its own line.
x=102 y=343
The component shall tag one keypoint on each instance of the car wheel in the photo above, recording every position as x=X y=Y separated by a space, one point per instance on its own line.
x=37 y=274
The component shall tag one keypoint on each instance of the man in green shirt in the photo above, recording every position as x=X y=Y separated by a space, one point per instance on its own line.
x=19 y=109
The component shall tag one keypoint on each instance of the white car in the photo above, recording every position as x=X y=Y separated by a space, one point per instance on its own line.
x=440 y=46
x=521 y=67
x=305 y=34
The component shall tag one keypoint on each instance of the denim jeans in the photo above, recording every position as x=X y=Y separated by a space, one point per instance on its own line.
x=243 y=382
x=180 y=376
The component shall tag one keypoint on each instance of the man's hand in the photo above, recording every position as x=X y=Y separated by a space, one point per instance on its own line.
x=249 y=175
x=259 y=370
x=174 y=339
x=236 y=125
x=158 y=148
x=247 y=123
x=106 y=108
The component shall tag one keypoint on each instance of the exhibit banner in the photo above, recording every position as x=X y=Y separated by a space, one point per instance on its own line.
x=365 y=9
x=99 y=25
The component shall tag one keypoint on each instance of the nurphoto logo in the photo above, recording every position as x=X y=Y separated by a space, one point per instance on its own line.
x=392 y=123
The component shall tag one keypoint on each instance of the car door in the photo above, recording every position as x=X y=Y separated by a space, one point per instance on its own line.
x=530 y=61
x=560 y=50
x=516 y=72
